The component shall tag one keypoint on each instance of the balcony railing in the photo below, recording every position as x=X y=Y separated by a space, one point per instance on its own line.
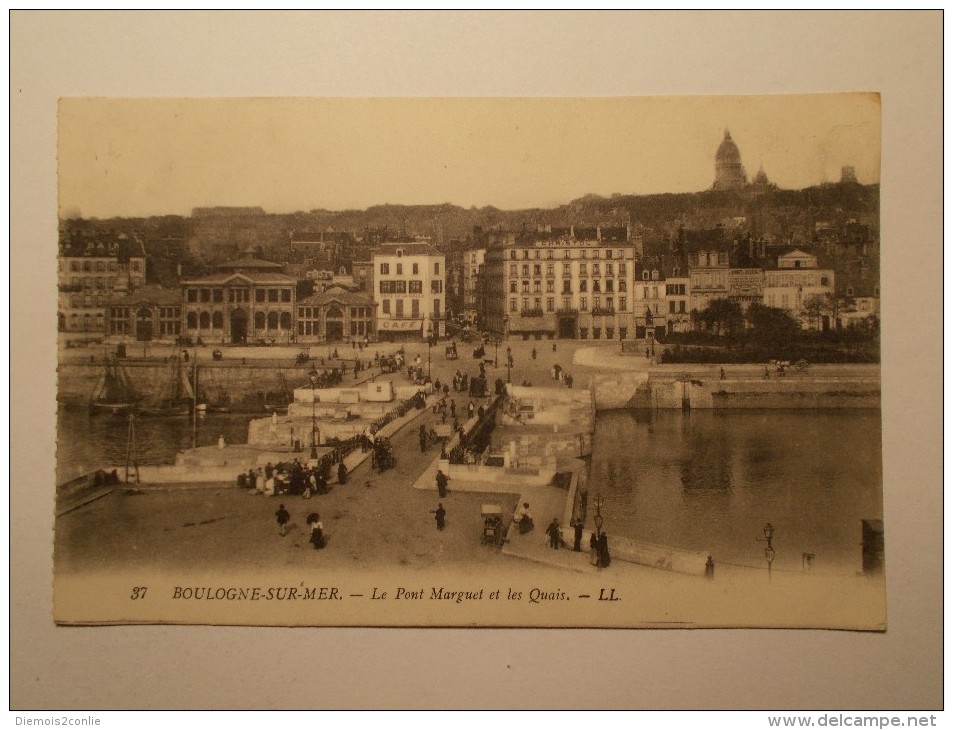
x=531 y=313
x=567 y=310
x=599 y=311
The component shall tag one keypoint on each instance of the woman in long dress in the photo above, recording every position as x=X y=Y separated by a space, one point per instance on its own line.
x=317 y=531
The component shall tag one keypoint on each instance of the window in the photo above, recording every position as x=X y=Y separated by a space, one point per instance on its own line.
x=622 y=304
x=525 y=254
x=595 y=268
x=582 y=269
x=192 y=320
x=583 y=333
x=567 y=286
x=623 y=332
x=621 y=268
x=536 y=269
x=622 y=285
x=259 y=295
x=436 y=307
x=583 y=305
x=526 y=287
x=550 y=285
x=567 y=303
x=671 y=307
x=414 y=269
x=416 y=286
x=218 y=296
x=608 y=284
x=513 y=287
x=824 y=281
x=850 y=291
x=609 y=332
x=550 y=304
x=537 y=303
x=400 y=252
x=191 y=295
x=525 y=269
x=596 y=303
x=385 y=269
x=566 y=271
x=398 y=307
x=525 y=302
x=513 y=270
x=400 y=287
x=436 y=268
x=583 y=285
x=645 y=275
x=513 y=304
x=596 y=286
x=610 y=270
x=436 y=287
x=272 y=320
x=385 y=306
x=681 y=307
x=536 y=287
x=218 y=321
x=400 y=267
x=608 y=253
x=414 y=308
x=654 y=274
x=272 y=295
x=205 y=295
x=204 y=320
x=596 y=333
x=549 y=269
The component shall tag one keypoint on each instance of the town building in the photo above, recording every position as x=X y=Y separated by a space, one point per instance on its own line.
x=561 y=282
x=336 y=314
x=92 y=270
x=409 y=290
x=794 y=282
x=473 y=263
x=248 y=300
x=149 y=314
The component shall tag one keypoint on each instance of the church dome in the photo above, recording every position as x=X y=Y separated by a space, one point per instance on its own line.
x=728 y=151
x=729 y=172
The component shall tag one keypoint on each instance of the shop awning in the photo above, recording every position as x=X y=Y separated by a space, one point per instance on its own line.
x=399 y=325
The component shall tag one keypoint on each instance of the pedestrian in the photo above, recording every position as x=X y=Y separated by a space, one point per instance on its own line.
x=221 y=441
x=342 y=473
x=470 y=409
x=594 y=549
x=721 y=372
x=283 y=517
x=533 y=353
x=767 y=373
x=442 y=480
x=604 y=558
x=553 y=532
x=422 y=436
x=554 y=347
x=453 y=409
x=710 y=568
x=317 y=531
x=577 y=536
x=440 y=515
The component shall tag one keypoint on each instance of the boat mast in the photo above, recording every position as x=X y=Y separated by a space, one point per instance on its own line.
x=131 y=448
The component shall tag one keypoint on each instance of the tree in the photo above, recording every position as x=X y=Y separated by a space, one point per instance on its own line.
x=814 y=306
x=772 y=326
x=722 y=316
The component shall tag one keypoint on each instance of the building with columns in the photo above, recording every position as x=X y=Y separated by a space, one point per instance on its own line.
x=248 y=300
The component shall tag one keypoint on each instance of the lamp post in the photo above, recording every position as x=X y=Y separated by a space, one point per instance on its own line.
x=768 y=532
x=313 y=377
x=429 y=345
x=496 y=351
x=598 y=502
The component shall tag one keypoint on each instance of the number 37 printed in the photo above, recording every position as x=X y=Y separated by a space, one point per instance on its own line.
x=138 y=592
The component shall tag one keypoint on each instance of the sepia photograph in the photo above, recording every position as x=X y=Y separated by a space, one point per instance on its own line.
x=477 y=360
x=628 y=377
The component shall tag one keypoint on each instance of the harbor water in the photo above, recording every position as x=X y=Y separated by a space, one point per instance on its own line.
x=706 y=481
x=710 y=481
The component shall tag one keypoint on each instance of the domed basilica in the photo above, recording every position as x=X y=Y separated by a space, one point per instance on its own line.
x=729 y=172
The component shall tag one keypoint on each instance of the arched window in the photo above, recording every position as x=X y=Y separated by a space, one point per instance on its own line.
x=334 y=312
x=191 y=321
x=259 y=320
x=272 y=320
x=204 y=321
x=286 y=320
x=218 y=321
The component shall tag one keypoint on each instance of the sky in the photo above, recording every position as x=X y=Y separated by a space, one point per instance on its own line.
x=140 y=157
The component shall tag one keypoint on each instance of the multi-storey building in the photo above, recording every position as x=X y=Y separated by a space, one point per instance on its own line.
x=409 y=290
x=651 y=297
x=566 y=282
x=709 y=275
x=678 y=299
x=92 y=271
x=249 y=300
x=473 y=262
x=796 y=280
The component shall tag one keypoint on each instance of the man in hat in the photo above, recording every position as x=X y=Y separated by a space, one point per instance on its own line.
x=440 y=515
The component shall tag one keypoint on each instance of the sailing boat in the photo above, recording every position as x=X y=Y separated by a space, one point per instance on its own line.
x=176 y=398
x=114 y=392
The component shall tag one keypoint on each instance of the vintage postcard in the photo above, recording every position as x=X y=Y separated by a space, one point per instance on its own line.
x=605 y=362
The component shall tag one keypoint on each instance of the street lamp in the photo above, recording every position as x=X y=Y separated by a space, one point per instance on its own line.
x=768 y=532
x=599 y=501
x=313 y=377
x=496 y=350
x=429 y=345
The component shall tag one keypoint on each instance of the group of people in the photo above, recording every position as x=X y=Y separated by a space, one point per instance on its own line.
x=560 y=375
x=382 y=454
x=313 y=520
x=293 y=478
